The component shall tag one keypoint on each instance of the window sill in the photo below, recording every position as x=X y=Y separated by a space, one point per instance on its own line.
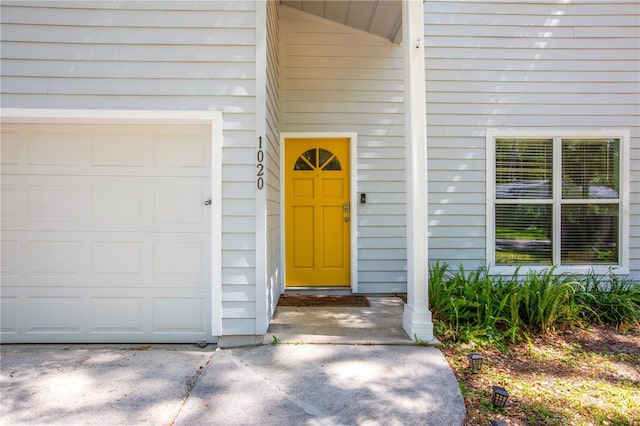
x=567 y=269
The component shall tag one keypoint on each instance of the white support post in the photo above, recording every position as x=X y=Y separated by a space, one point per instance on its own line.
x=417 y=317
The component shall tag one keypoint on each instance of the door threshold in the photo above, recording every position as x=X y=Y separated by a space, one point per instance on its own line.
x=311 y=291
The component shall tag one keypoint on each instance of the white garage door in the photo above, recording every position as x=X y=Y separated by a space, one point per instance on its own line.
x=105 y=233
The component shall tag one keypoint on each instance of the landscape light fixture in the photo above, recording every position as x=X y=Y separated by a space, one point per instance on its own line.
x=500 y=396
x=475 y=361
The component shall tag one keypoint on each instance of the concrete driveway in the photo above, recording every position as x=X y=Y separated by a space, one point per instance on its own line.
x=323 y=375
x=97 y=384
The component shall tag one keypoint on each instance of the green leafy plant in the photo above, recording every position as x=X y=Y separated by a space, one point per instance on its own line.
x=471 y=303
x=476 y=306
x=546 y=299
x=439 y=294
x=609 y=299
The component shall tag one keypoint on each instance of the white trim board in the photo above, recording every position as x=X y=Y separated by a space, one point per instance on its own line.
x=34 y=115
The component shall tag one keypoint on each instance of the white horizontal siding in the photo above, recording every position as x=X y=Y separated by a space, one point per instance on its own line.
x=520 y=65
x=99 y=69
x=172 y=5
x=336 y=79
x=152 y=55
x=39 y=33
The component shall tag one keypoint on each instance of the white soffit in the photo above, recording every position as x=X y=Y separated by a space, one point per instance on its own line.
x=380 y=17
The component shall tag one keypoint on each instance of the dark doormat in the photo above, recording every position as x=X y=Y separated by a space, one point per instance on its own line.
x=322 y=300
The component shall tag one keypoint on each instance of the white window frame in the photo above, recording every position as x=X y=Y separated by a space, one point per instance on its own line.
x=558 y=135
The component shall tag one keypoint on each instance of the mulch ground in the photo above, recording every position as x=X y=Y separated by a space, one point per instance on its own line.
x=322 y=300
x=600 y=355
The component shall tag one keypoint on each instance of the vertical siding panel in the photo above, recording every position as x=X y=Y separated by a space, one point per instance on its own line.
x=520 y=65
x=337 y=79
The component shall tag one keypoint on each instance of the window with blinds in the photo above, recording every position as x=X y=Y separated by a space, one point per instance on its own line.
x=524 y=201
x=556 y=201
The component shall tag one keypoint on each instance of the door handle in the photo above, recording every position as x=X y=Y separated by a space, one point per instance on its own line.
x=346 y=218
x=207 y=203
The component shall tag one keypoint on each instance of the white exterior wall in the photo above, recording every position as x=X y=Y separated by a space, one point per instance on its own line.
x=337 y=79
x=268 y=198
x=521 y=65
x=274 y=275
x=165 y=55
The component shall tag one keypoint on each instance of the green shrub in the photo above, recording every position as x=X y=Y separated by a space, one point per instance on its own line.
x=546 y=299
x=475 y=306
x=439 y=292
x=609 y=299
x=472 y=304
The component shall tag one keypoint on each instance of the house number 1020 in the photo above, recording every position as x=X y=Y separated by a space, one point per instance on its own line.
x=260 y=164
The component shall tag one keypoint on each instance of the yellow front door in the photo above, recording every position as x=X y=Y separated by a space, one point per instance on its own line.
x=317 y=212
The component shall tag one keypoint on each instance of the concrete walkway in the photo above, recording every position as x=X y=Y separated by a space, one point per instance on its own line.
x=321 y=380
x=379 y=324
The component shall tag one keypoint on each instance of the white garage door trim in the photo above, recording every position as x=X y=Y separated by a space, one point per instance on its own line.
x=129 y=117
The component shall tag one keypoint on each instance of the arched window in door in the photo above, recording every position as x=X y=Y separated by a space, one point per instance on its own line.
x=317 y=158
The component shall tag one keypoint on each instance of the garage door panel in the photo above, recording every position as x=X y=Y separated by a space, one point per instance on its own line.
x=182 y=152
x=105 y=234
x=181 y=203
x=109 y=259
x=42 y=199
x=117 y=314
x=9 y=255
x=10 y=201
x=55 y=148
x=150 y=204
x=118 y=151
x=103 y=150
x=57 y=315
x=10 y=148
x=57 y=258
x=131 y=315
x=102 y=171
x=179 y=314
x=54 y=202
x=126 y=201
x=8 y=315
x=112 y=258
x=179 y=258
